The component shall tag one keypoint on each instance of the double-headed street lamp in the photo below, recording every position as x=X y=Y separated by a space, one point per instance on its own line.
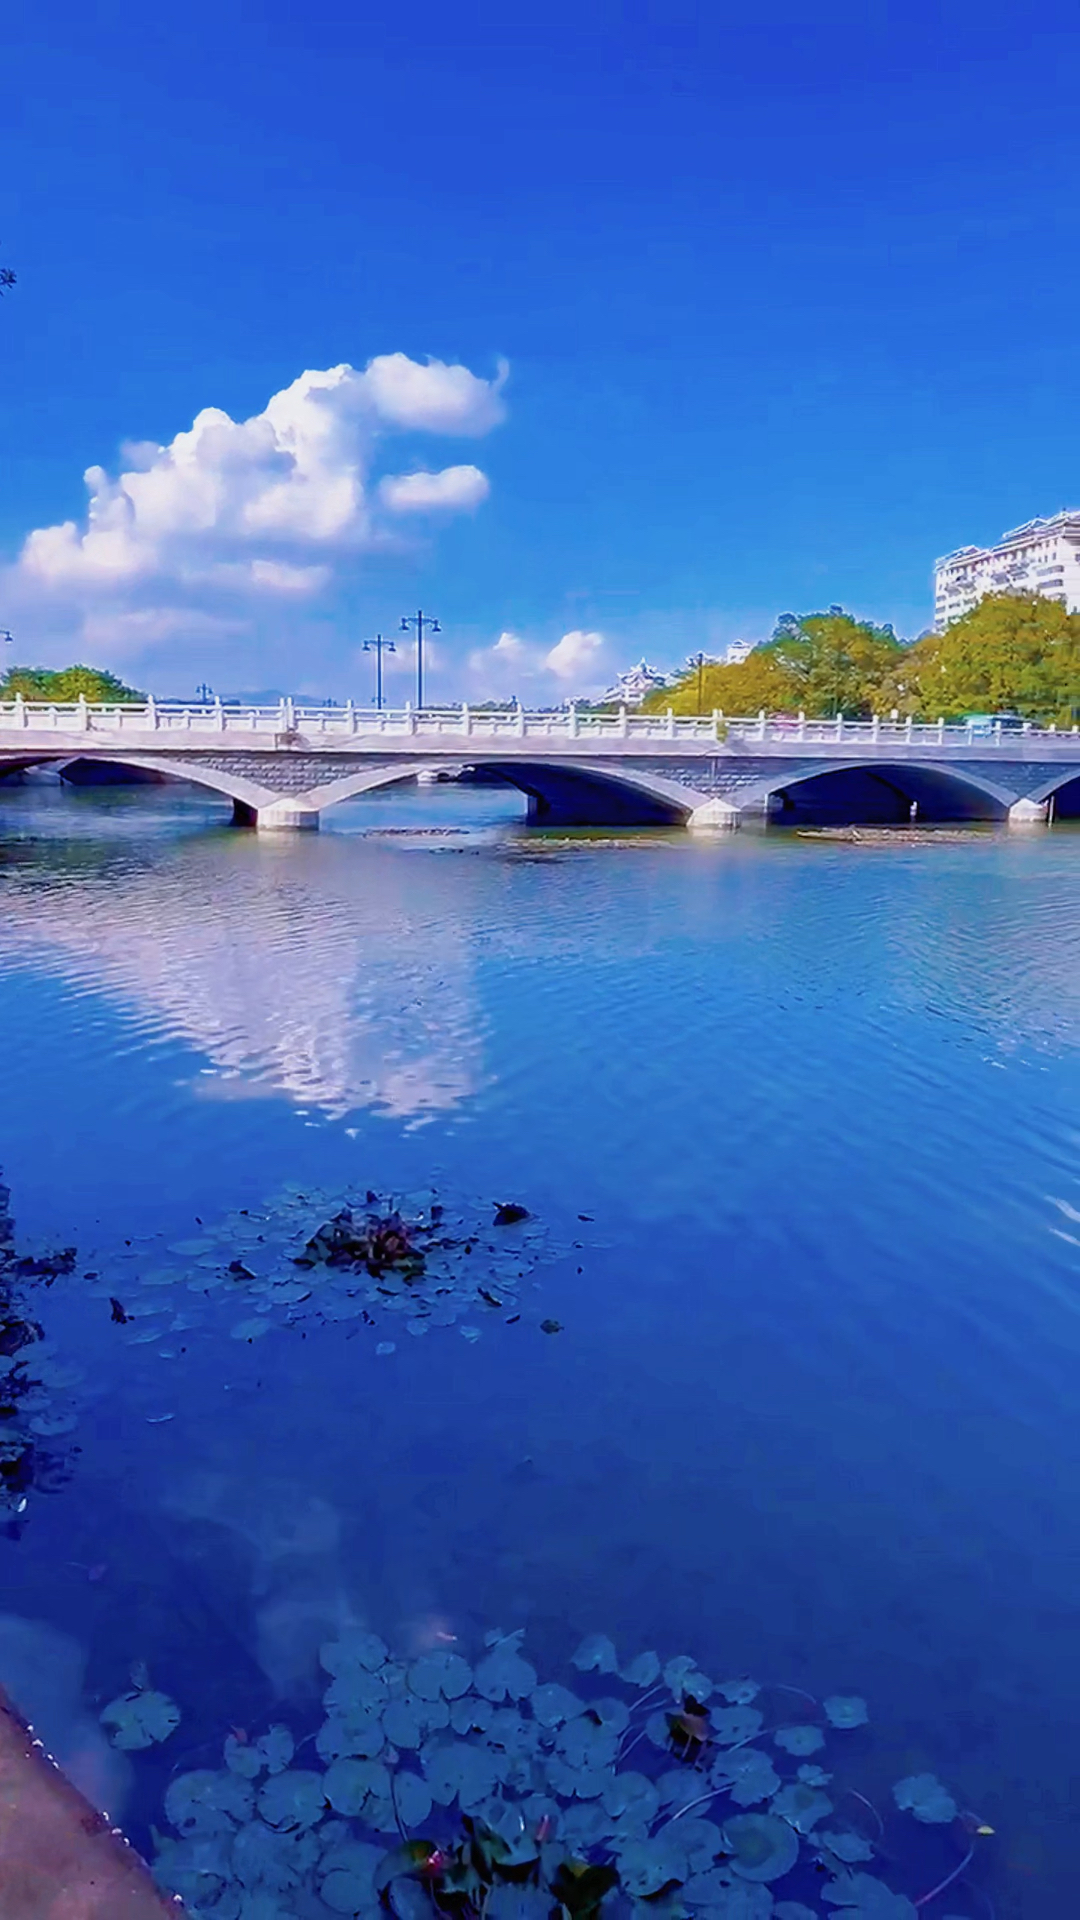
x=378 y=647
x=419 y=620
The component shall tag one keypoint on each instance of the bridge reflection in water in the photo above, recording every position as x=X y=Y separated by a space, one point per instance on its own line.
x=281 y=767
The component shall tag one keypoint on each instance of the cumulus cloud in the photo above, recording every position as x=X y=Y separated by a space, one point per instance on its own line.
x=269 y=502
x=454 y=490
x=576 y=656
x=577 y=664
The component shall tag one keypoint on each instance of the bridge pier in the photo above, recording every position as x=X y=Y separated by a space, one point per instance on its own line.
x=285 y=816
x=713 y=816
x=1029 y=813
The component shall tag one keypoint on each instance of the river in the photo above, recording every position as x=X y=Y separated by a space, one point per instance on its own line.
x=796 y=1123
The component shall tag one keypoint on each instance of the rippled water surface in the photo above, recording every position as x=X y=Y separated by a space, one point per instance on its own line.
x=812 y=1413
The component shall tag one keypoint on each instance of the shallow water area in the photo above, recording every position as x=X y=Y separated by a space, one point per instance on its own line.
x=795 y=1123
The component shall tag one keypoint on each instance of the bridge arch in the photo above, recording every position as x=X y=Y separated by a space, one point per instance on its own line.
x=875 y=792
x=245 y=793
x=1063 y=789
x=560 y=792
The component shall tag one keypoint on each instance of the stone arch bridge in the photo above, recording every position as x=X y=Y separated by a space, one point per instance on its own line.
x=282 y=766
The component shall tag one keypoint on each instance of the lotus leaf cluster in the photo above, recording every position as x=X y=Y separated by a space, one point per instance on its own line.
x=477 y=1790
x=415 y=1262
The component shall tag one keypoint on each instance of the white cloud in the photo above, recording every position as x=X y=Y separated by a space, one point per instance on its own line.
x=576 y=665
x=454 y=490
x=264 y=503
x=576 y=656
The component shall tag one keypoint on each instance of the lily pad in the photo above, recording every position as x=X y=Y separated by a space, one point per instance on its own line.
x=440 y=1674
x=293 y=1799
x=761 y=1846
x=276 y=1748
x=848 y=1847
x=412 y=1798
x=642 y=1671
x=631 y=1795
x=356 y=1688
x=799 y=1740
x=750 y=1775
x=923 y=1795
x=347 y=1883
x=739 y=1901
x=357 y=1732
x=739 y=1693
x=813 y=1775
x=353 y=1648
x=261 y=1857
x=140 y=1718
x=597 y=1654
x=348 y=1783
x=470 y=1714
x=460 y=1772
x=793 y=1910
x=404 y=1723
x=683 y=1677
x=507 y=1902
x=732 y=1725
x=646 y=1867
x=846 y=1710
x=552 y=1704
x=205 y=1802
x=801 y=1806
x=504 y=1675
x=868 y=1897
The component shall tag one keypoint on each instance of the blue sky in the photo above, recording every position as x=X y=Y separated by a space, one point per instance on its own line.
x=758 y=314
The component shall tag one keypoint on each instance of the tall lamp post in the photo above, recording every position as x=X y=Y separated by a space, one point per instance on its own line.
x=419 y=620
x=378 y=647
x=698 y=660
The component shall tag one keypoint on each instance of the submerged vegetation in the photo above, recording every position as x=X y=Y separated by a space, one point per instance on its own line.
x=481 y=1792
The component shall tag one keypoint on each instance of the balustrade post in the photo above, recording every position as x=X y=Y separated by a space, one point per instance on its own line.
x=219 y=714
x=909 y=728
x=671 y=723
x=151 y=713
x=21 y=717
x=941 y=730
x=875 y=729
x=290 y=714
x=762 y=724
x=802 y=725
x=571 y=720
x=466 y=720
x=82 y=720
x=410 y=717
x=623 y=729
x=519 y=720
x=350 y=716
x=283 y=715
x=839 y=726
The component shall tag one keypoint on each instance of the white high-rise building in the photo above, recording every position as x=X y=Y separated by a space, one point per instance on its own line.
x=1043 y=556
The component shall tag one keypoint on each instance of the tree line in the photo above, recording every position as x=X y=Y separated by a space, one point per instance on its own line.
x=1013 y=653
x=65 y=684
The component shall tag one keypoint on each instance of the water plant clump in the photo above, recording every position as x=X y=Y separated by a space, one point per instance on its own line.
x=480 y=1791
x=415 y=1262
x=38 y=1408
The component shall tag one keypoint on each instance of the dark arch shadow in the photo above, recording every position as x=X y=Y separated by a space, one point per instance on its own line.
x=882 y=796
x=1065 y=799
x=561 y=797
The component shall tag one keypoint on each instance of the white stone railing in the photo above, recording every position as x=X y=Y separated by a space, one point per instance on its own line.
x=286 y=720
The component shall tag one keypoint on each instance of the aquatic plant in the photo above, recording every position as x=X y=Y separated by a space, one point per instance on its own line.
x=414 y=1261
x=37 y=1411
x=479 y=1791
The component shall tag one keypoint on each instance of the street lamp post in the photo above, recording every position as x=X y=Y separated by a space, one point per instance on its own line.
x=419 y=620
x=378 y=647
x=698 y=660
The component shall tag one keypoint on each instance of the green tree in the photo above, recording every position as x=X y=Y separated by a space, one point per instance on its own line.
x=65 y=684
x=1013 y=653
x=816 y=663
